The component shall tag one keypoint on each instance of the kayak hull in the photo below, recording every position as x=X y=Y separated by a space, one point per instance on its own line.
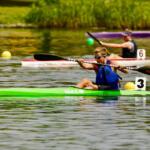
x=66 y=91
x=136 y=34
x=32 y=63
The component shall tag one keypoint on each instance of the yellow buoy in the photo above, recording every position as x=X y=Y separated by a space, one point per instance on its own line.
x=6 y=55
x=129 y=86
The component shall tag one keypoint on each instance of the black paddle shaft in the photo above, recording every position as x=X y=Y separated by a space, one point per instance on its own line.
x=49 y=57
x=92 y=36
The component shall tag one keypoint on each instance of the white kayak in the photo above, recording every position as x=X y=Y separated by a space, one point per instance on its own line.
x=50 y=63
x=131 y=62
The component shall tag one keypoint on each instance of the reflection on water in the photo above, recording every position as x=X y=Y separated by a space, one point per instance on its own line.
x=62 y=123
x=61 y=42
x=46 y=41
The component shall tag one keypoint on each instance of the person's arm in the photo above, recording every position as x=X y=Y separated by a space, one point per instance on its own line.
x=122 y=69
x=113 y=45
x=85 y=65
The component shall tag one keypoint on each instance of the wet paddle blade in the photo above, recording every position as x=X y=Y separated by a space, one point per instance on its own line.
x=46 y=57
x=144 y=69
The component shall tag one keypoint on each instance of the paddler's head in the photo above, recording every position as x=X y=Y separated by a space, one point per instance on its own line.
x=100 y=54
x=127 y=35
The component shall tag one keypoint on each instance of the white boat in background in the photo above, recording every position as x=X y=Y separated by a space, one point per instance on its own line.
x=131 y=62
x=50 y=63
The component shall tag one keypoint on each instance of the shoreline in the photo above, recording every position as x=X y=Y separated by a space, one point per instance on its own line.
x=26 y=25
x=18 y=25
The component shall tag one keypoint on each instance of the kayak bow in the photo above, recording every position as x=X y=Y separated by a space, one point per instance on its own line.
x=66 y=91
x=136 y=34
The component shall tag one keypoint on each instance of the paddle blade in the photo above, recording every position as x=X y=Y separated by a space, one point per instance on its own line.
x=144 y=69
x=46 y=57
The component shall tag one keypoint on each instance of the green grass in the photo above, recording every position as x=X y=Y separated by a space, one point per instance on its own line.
x=110 y=14
x=13 y=15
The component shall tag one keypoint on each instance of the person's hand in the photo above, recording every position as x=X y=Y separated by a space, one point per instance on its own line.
x=122 y=69
x=80 y=60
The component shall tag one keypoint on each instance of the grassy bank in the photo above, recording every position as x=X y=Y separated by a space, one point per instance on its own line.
x=13 y=15
x=112 y=14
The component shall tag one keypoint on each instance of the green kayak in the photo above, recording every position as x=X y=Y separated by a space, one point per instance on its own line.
x=66 y=91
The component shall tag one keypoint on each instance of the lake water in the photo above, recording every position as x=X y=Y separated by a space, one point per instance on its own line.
x=60 y=123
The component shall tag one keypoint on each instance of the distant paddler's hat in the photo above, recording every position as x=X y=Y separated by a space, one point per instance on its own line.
x=126 y=33
x=102 y=51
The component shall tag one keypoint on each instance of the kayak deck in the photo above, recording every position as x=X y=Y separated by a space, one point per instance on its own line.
x=32 y=63
x=66 y=91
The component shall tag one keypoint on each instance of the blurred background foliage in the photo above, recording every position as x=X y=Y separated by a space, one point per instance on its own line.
x=111 y=14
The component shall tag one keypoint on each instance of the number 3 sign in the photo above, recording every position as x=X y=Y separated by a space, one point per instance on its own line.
x=140 y=83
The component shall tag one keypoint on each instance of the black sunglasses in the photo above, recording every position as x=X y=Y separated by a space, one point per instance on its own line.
x=97 y=57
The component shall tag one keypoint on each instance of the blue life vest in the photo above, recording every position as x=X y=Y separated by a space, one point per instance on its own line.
x=106 y=76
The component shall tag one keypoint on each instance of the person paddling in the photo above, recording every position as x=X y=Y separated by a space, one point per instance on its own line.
x=129 y=47
x=106 y=77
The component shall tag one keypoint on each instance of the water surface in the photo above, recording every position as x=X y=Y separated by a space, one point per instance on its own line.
x=60 y=123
